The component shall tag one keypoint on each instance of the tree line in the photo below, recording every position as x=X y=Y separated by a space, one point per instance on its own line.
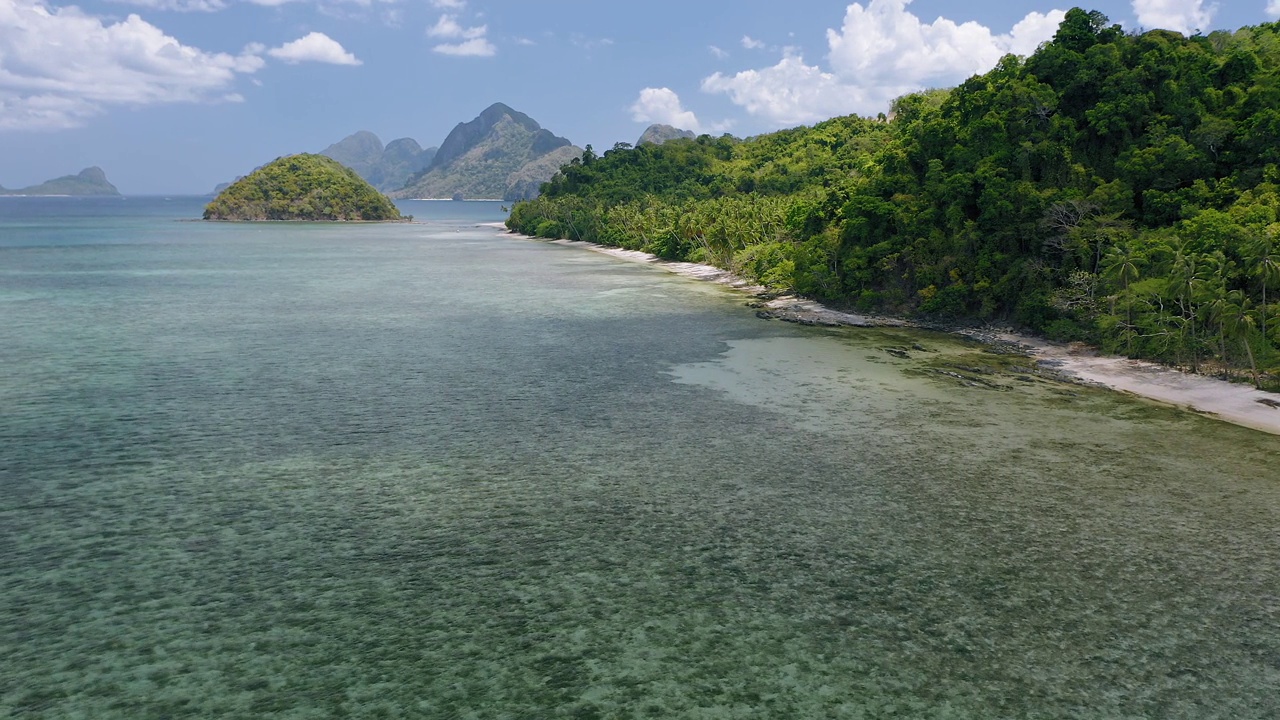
x=1116 y=188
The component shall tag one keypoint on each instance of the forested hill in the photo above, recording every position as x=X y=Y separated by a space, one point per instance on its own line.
x=1117 y=188
x=302 y=187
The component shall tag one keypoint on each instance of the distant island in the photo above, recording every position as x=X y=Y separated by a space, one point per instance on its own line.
x=658 y=134
x=302 y=187
x=386 y=167
x=88 y=182
x=501 y=154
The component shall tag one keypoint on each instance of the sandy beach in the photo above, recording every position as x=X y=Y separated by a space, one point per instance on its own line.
x=1230 y=402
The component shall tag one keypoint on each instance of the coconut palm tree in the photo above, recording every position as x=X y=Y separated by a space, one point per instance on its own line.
x=1264 y=261
x=1123 y=263
x=1239 y=322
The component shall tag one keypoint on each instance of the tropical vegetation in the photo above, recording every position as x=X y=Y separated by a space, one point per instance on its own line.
x=302 y=187
x=1116 y=188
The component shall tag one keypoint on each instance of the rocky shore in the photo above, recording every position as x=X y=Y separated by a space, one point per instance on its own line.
x=1066 y=362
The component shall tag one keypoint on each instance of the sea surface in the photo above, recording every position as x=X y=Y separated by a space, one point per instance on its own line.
x=434 y=471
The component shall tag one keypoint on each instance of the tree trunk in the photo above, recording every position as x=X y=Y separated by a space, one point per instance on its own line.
x=1253 y=366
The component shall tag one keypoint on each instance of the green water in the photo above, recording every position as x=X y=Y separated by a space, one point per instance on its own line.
x=430 y=471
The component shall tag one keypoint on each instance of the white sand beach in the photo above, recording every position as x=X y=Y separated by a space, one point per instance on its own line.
x=1231 y=402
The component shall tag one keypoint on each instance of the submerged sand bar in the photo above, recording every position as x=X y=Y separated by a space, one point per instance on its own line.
x=1232 y=402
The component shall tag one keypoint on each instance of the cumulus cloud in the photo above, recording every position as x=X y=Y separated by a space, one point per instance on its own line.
x=181 y=5
x=723 y=54
x=215 y=5
x=476 y=47
x=1273 y=8
x=314 y=47
x=789 y=93
x=881 y=51
x=468 y=41
x=751 y=43
x=448 y=27
x=1184 y=16
x=449 y=4
x=662 y=105
x=61 y=66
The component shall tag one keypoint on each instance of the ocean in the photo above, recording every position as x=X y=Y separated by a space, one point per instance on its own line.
x=433 y=470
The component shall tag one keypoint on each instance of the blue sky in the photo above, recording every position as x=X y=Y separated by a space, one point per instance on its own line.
x=174 y=96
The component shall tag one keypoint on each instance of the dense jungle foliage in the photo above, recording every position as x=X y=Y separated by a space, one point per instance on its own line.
x=301 y=187
x=1116 y=188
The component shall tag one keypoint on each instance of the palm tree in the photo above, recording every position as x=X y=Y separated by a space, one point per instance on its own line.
x=1185 y=281
x=1123 y=263
x=1219 y=308
x=1239 y=322
x=1264 y=258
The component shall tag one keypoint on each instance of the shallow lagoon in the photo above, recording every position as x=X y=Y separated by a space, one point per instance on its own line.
x=430 y=471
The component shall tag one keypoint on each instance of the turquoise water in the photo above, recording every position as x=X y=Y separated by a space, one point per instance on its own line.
x=429 y=470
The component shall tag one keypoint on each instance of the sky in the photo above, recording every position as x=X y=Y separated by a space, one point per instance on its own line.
x=175 y=96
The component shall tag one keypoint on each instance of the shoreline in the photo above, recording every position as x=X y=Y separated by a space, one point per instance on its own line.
x=1234 y=403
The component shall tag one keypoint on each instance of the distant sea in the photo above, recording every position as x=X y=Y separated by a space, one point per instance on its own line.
x=432 y=470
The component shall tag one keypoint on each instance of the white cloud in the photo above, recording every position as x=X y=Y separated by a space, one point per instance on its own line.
x=471 y=40
x=447 y=27
x=330 y=7
x=61 y=66
x=722 y=54
x=314 y=47
x=181 y=5
x=751 y=43
x=1273 y=8
x=662 y=105
x=476 y=47
x=449 y=4
x=1184 y=16
x=789 y=93
x=881 y=51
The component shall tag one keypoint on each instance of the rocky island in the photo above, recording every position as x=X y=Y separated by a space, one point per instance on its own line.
x=302 y=188
x=90 y=181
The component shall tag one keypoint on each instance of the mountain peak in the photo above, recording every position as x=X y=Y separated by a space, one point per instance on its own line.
x=93 y=174
x=465 y=136
x=658 y=134
x=502 y=153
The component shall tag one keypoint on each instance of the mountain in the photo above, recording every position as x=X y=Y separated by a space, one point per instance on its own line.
x=658 y=134
x=401 y=159
x=90 y=181
x=302 y=187
x=500 y=154
x=359 y=151
x=386 y=168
